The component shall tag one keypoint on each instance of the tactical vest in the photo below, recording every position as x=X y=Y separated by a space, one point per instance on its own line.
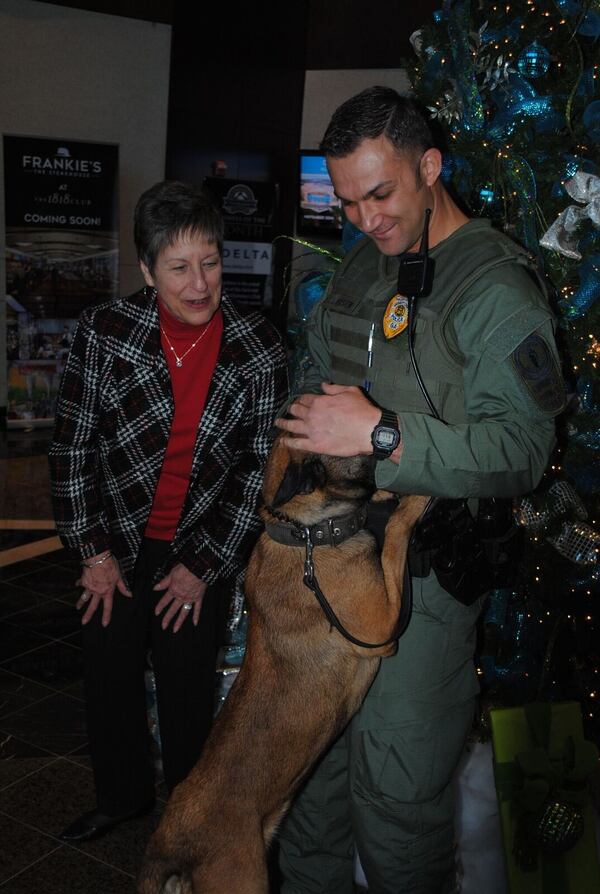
x=359 y=294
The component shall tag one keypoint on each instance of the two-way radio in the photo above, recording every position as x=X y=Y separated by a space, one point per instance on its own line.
x=415 y=280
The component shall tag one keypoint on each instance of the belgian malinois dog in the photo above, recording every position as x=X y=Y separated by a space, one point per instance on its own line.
x=301 y=680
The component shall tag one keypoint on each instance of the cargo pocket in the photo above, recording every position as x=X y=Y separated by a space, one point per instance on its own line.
x=412 y=764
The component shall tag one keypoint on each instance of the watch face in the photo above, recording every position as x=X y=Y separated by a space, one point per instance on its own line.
x=386 y=438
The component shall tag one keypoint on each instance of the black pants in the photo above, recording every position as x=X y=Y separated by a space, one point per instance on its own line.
x=114 y=666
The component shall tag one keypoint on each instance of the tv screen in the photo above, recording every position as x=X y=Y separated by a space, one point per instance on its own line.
x=319 y=210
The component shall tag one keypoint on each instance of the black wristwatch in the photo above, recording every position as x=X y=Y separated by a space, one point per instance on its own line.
x=386 y=435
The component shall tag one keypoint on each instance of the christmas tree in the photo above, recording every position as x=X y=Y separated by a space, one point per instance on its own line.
x=514 y=86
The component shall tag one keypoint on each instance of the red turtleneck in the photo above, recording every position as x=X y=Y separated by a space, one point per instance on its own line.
x=190 y=383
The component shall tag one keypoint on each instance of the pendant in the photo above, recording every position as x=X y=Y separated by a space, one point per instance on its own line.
x=179 y=362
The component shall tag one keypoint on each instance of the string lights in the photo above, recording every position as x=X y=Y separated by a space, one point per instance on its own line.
x=538 y=128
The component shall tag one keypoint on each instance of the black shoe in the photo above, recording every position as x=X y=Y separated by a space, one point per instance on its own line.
x=94 y=823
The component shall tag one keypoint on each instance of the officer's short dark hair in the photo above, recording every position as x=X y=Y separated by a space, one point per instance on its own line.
x=171 y=209
x=368 y=115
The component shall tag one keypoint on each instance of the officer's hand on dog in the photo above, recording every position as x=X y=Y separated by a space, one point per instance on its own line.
x=184 y=596
x=338 y=422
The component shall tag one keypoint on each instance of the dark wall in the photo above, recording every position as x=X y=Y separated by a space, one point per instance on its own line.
x=359 y=34
x=237 y=84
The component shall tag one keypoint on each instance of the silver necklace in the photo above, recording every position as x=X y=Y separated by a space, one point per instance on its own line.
x=179 y=360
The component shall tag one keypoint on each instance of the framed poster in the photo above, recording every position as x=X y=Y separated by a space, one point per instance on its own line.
x=61 y=199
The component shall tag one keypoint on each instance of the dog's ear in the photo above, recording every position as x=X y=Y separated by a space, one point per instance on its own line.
x=300 y=478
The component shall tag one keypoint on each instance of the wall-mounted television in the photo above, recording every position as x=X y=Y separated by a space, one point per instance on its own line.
x=319 y=210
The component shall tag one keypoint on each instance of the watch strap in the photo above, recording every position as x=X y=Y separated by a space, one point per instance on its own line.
x=389 y=419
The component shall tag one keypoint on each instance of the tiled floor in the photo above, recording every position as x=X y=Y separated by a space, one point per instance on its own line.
x=45 y=775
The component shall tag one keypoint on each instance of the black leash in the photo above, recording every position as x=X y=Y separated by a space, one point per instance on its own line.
x=293 y=534
x=312 y=583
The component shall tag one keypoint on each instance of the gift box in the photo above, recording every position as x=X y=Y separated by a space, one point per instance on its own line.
x=541 y=766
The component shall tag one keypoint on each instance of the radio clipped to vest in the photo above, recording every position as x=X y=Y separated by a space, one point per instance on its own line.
x=415 y=268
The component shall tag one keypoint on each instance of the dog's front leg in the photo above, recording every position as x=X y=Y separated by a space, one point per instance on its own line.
x=239 y=866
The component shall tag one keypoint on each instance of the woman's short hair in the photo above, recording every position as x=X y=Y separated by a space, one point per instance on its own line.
x=171 y=209
x=377 y=111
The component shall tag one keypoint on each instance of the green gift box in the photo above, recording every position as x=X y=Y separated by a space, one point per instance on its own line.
x=541 y=763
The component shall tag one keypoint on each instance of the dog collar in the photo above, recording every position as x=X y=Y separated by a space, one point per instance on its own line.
x=330 y=532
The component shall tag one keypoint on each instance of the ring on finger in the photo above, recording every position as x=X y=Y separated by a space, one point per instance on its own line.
x=85 y=596
x=187 y=606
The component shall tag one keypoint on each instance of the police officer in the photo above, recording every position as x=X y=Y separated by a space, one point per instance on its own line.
x=484 y=345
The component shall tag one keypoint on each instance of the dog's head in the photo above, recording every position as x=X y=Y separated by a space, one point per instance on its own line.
x=332 y=484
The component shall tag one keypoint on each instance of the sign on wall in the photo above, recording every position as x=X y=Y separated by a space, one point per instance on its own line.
x=61 y=201
x=248 y=210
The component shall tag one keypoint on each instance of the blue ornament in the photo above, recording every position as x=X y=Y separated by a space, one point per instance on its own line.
x=486 y=194
x=534 y=61
x=591 y=120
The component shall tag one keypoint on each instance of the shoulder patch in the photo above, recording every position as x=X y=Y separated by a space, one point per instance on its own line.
x=538 y=370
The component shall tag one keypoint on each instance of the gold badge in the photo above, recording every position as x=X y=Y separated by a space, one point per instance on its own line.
x=395 y=318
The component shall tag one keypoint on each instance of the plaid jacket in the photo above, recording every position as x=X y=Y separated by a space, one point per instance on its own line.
x=113 y=421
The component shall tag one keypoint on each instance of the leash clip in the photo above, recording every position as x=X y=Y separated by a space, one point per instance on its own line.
x=309 y=566
x=334 y=532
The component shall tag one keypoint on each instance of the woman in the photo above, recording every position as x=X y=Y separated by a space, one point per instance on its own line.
x=156 y=464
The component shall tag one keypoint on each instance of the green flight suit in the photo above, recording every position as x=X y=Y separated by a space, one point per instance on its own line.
x=485 y=346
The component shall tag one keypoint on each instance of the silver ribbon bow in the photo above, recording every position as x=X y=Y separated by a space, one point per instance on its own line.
x=561 y=235
x=576 y=541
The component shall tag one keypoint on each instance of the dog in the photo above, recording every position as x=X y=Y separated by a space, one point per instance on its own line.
x=301 y=680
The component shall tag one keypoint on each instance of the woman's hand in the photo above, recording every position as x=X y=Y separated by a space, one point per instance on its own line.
x=99 y=584
x=184 y=596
